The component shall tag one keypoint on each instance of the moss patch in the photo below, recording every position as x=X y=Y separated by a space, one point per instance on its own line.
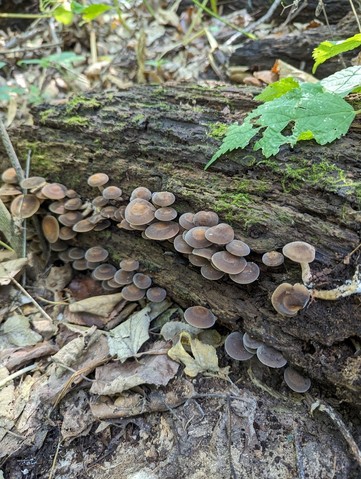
x=217 y=130
x=82 y=102
x=77 y=121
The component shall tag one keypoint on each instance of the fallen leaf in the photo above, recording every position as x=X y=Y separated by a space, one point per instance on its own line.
x=204 y=357
x=77 y=417
x=18 y=332
x=174 y=328
x=58 y=277
x=126 y=339
x=9 y=269
x=99 y=305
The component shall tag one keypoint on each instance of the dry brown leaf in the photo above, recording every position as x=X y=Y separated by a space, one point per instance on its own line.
x=58 y=277
x=100 y=305
x=77 y=417
x=9 y=269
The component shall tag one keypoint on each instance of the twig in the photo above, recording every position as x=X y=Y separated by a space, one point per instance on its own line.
x=10 y=151
x=55 y=459
x=355 y=15
x=229 y=434
x=30 y=49
x=23 y=290
x=4 y=381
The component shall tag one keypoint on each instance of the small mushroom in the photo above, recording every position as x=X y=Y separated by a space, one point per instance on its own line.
x=220 y=234
x=58 y=246
x=24 y=206
x=206 y=252
x=273 y=259
x=213 y=274
x=288 y=300
x=132 y=293
x=163 y=198
x=123 y=277
x=205 y=218
x=76 y=253
x=295 y=380
x=99 y=202
x=102 y=225
x=186 y=221
x=80 y=265
x=238 y=248
x=54 y=191
x=108 y=212
x=96 y=254
x=199 y=317
x=104 y=272
x=83 y=226
x=156 y=294
x=228 y=263
x=234 y=347
x=142 y=281
x=50 y=227
x=70 y=218
x=166 y=214
x=98 y=180
x=250 y=342
x=181 y=245
x=9 y=176
x=57 y=207
x=139 y=212
x=271 y=357
x=248 y=275
x=197 y=260
x=33 y=183
x=196 y=238
x=303 y=253
x=162 y=230
x=64 y=256
x=66 y=233
x=112 y=193
x=129 y=264
x=73 y=204
x=141 y=192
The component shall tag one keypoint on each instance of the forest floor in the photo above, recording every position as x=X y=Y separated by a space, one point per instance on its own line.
x=240 y=422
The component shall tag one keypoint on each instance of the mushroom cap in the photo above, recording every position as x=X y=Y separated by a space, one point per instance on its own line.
x=197 y=260
x=238 y=248
x=123 y=277
x=163 y=198
x=54 y=191
x=24 y=206
x=248 y=275
x=80 y=264
x=295 y=380
x=93 y=264
x=58 y=246
x=166 y=213
x=57 y=207
x=141 y=192
x=66 y=233
x=9 y=190
x=76 y=253
x=139 y=212
x=250 y=342
x=102 y=225
x=108 y=211
x=213 y=274
x=199 y=317
x=273 y=258
x=196 y=237
x=205 y=218
x=299 y=252
x=132 y=293
x=50 y=227
x=99 y=201
x=162 y=230
x=271 y=357
x=206 y=252
x=129 y=264
x=9 y=176
x=228 y=263
x=288 y=299
x=70 y=218
x=112 y=193
x=156 y=294
x=104 y=271
x=96 y=254
x=186 y=221
x=71 y=194
x=142 y=281
x=83 y=226
x=181 y=245
x=64 y=256
x=234 y=347
x=98 y=179
x=112 y=284
x=220 y=234
x=73 y=204
x=32 y=182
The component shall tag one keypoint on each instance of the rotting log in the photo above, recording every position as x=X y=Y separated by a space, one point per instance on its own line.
x=161 y=137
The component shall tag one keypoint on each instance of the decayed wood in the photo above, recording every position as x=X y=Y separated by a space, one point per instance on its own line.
x=161 y=137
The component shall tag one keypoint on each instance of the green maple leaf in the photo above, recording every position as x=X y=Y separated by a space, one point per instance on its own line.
x=327 y=50
x=302 y=113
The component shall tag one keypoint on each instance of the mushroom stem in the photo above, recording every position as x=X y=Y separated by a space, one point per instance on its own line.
x=306 y=274
x=347 y=289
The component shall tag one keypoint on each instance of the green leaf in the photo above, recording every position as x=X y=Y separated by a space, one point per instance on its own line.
x=277 y=89
x=62 y=59
x=93 y=11
x=64 y=16
x=343 y=82
x=327 y=50
x=77 y=7
x=2 y=64
x=6 y=90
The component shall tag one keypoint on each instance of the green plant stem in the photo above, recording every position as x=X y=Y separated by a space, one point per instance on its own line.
x=355 y=15
x=25 y=15
x=6 y=246
x=214 y=6
x=120 y=17
x=215 y=15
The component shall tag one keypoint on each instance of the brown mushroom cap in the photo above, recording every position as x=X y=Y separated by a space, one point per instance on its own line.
x=112 y=193
x=92 y=265
x=165 y=214
x=248 y=275
x=83 y=226
x=99 y=201
x=208 y=272
x=80 y=265
x=228 y=263
x=295 y=380
x=196 y=238
x=129 y=264
x=238 y=248
x=142 y=281
x=66 y=233
x=59 y=246
x=104 y=272
x=54 y=191
x=163 y=198
x=220 y=234
x=123 y=277
x=71 y=194
x=73 y=204
x=206 y=252
x=64 y=256
x=76 y=253
x=234 y=347
x=271 y=357
x=199 y=317
x=24 y=206
x=70 y=218
x=96 y=254
x=102 y=225
x=186 y=221
x=205 y=218
x=162 y=230
x=141 y=192
x=299 y=252
x=108 y=211
x=156 y=294
x=9 y=176
x=57 y=207
x=8 y=190
x=197 y=260
x=273 y=258
x=139 y=212
x=288 y=300
x=50 y=227
x=132 y=293
x=250 y=342
x=181 y=245
x=98 y=179
x=32 y=182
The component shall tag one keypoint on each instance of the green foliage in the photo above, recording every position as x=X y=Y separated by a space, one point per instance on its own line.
x=343 y=82
x=327 y=50
x=277 y=89
x=63 y=59
x=6 y=91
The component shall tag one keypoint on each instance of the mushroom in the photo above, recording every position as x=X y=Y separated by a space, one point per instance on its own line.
x=234 y=347
x=9 y=176
x=163 y=198
x=196 y=238
x=197 y=260
x=112 y=193
x=83 y=226
x=220 y=234
x=288 y=300
x=58 y=246
x=123 y=277
x=208 y=272
x=161 y=231
x=248 y=275
x=132 y=293
x=102 y=225
x=273 y=259
x=32 y=183
x=186 y=221
x=50 y=227
x=73 y=204
x=99 y=201
x=24 y=206
x=70 y=218
x=104 y=271
x=295 y=380
x=228 y=263
x=142 y=281
x=165 y=214
x=181 y=245
x=156 y=294
x=238 y=248
x=57 y=207
x=205 y=252
x=98 y=180
x=303 y=253
x=54 y=191
x=141 y=192
x=76 y=253
x=129 y=264
x=139 y=212
x=199 y=317
x=271 y=357
x=96 y=254
x=250 y=342
x=66 y=233
x=79 y=264
x=205 y=218
x=108 y=212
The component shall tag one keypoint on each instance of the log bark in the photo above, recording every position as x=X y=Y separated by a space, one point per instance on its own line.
x=161 y=137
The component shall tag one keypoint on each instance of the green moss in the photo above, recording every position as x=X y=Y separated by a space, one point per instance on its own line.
x=217 y=130
x=44 y=115
x=81 y=102
x=138 y=118
x=77 y=121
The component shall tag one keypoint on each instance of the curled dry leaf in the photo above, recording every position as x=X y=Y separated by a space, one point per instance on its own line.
x=204 y=359
x=9 y=269
x=100 y=305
